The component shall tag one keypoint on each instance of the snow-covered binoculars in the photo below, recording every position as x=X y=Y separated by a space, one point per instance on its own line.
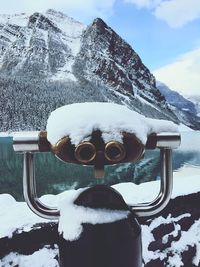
x=96 y=152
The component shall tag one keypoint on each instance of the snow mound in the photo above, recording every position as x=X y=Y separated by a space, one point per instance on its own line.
x=75 y=216
x=6 y=200
x=146 y=192
x=16 y=215
x=44 y=257
x=79 y=120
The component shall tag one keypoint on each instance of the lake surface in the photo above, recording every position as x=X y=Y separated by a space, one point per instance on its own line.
x=54 y=176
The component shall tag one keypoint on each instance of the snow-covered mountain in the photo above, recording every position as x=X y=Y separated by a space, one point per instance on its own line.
x=175 y=99
x=185 y=109
x=40 y=44
x=48 y=60
x=196 y=100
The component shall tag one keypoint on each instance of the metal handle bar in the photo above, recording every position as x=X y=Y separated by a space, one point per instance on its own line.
x=36 y=141
x=166 y=187
x=30 y=144
x=29 y=190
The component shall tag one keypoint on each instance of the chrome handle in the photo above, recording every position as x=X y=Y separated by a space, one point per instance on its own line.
x=166 y=187
x=26 y=142
x=33 y=141
x=29 y=144
x=29 y=190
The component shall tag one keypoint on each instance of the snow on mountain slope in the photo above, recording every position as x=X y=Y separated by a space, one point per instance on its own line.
x=69 y=26
x=40 y=44
x=48 y=60
x=107 y=59
x=175 y=99
x=16 y=19
x=184 y=108
x=196 y=101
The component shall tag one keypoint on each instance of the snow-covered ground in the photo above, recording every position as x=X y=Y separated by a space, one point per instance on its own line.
x=5 y=134
x=16 y=215
x=44 y=257
x=184 y=128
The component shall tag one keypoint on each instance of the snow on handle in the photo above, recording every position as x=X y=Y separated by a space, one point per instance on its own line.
x=79 y=120
x=73 y=216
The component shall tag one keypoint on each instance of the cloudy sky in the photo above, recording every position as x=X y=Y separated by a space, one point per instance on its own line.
x=165 y=33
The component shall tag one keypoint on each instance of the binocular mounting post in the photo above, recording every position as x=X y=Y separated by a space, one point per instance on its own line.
x=34 y=142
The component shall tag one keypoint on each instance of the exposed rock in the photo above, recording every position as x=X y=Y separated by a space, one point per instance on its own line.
x=155 y=263
x=185 y=223
x=188 y=255
x=50 y=60
x=26 y=243
x=42 y=22
x=162 y=229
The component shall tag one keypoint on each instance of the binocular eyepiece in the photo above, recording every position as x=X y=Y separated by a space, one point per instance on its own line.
x=115 y=152
x=91 y=152
x=94 y=151
x=98 y=153
x=85 y=152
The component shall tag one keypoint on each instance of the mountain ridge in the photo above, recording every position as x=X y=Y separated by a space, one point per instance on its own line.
x=49 y=59
x=185 y=109
x=176 y=99
x=195 y=99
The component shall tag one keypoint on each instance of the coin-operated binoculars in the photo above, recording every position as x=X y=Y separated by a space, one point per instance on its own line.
x=116 y=244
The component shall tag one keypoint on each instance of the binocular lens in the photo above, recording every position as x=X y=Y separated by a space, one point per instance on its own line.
x=114 y=151
x=96 y=152
x=85 y=152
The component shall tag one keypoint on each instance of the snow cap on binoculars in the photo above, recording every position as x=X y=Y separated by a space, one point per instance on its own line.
x=79 y=120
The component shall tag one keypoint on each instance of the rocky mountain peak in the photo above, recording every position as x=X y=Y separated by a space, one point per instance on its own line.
x=55 y=13
x=99 y=24
x=58 y=60
x=43 y=45
x=42 y=22
x=113 y=60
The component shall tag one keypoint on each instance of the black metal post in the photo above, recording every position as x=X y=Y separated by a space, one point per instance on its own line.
x=116 y=244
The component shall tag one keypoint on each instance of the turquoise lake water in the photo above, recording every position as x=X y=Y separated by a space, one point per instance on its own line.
x=54 y=176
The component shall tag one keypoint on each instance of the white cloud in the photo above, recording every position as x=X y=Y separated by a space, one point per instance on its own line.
x=175 y=13
x=144 y=3
x=85 y=10
x=183 y=75
x=178 y=12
